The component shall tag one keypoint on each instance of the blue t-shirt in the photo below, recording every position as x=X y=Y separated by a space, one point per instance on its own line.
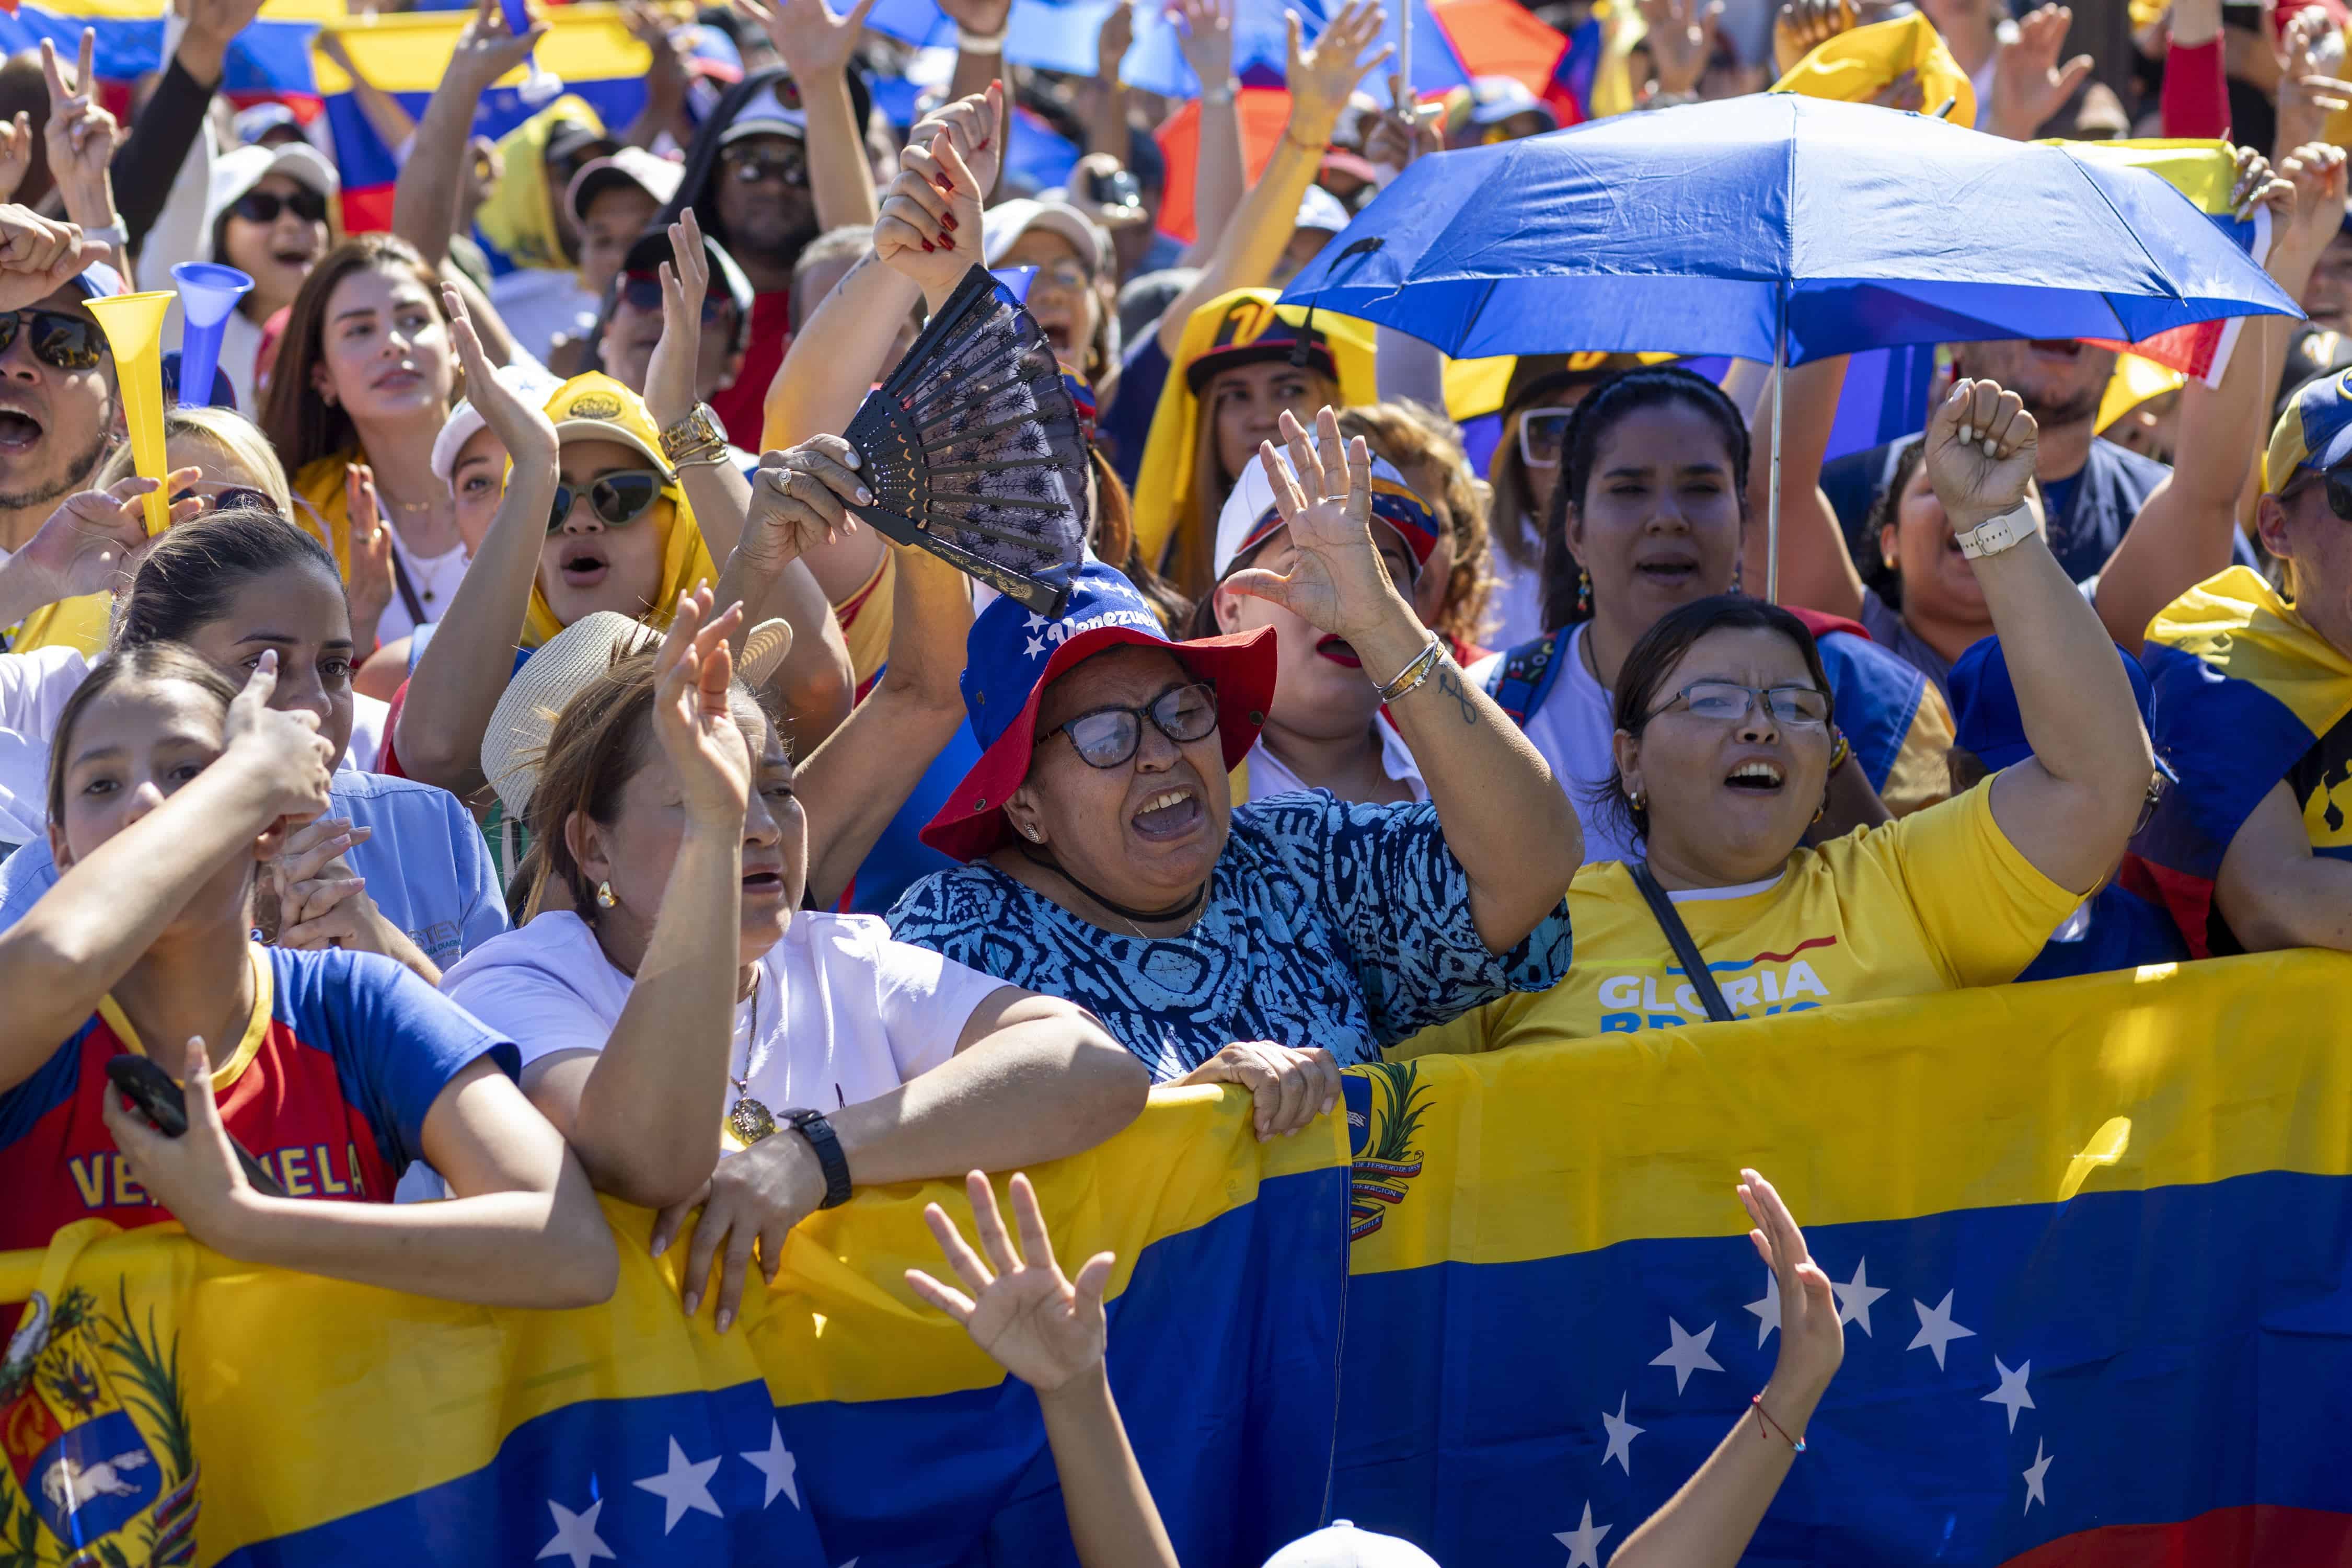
x=1329 y=923
x=1126 y=425
x=2125 y=931
x=423 y=863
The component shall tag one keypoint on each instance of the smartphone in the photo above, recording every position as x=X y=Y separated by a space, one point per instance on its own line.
x=1116 y=189
x=151 y=1089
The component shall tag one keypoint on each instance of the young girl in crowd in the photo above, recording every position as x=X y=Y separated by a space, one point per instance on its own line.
x=395 y=867
x=266 y=215
x=1648 y=514
x=335 y=1069
x=361 y=388
x=1049 y=1330
x=678 y=1005
x=1723 y=750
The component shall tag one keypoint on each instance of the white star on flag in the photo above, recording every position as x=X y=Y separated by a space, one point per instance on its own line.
x=1937 y=1329
x=1854 y=1296
x=1036 y=646
x=776 y=1463
x=575 y=1534
x=2041 y=1467
x=1583 y=1542
x=685 y=1485
x=1621 y=1433
x=1686 y=1354
x=1767 y=1311
x=2012 y=1392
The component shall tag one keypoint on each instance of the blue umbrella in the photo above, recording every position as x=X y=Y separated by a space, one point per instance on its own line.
x=1776 y=228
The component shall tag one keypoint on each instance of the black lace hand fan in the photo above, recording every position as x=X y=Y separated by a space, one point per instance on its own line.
x=973 y=451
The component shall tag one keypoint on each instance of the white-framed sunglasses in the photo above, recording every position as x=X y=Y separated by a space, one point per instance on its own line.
x=1541 y=432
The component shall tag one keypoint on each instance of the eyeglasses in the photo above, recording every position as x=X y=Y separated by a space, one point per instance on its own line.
x=1729 y=702
x=2338 y=481
x=1107 y=737
x=752 y=168
x=615 y=498
x=1068 y=275
x=1541 y=432
x=229 y=498
x=261 y=207
x=643 y=291
x=59 y=340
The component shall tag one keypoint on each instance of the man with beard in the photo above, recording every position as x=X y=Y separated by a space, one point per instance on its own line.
x=2091 y=487
x=753 y=183
x=58 y=416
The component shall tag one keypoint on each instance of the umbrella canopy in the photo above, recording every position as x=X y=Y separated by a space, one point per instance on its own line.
x=1702 y=229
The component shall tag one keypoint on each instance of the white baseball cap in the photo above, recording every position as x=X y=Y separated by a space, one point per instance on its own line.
x=1319 y=208
x=1342 y=1545
x=527 y=381
x=1249 y=515
x=1003 y=224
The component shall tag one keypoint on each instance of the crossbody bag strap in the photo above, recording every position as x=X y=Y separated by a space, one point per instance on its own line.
x=1678 y=937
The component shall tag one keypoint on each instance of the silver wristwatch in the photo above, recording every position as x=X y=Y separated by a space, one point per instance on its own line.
x=1995 y=535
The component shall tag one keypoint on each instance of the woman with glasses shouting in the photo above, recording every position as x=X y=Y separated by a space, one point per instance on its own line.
x=1723 y=750
x=1264 y=945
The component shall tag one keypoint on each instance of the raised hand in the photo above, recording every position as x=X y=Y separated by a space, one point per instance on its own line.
x=1803 y=25
x=1681 y=40
x=15 y=153
x=971 y=124
x=1398 y=138
x=1335 y=581
x=370 y=579
x=1813 y=1339
x=2315 y=174
x=2308 y=93
x=213 y=25
x=80 y=135
x=1204 y=32
x=1034 y=1320
x=2029 y=85
x=929 y=226
x=1081 y=195
x=95 y=540
x=1982 y=446
x=1112 y=40
x=1321 y=79
x=812 y=38
x=486 y=51
x=37 y=256
x=282 y=749
x=671 y=373
x=692 y=721
x=801 y=497
x=521 y=428
x=980 y=18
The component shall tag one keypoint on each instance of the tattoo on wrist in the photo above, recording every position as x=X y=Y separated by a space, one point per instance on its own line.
x=1451 y=684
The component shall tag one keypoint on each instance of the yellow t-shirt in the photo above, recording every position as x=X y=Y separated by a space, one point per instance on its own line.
x=1937 y=900
x=81 y=623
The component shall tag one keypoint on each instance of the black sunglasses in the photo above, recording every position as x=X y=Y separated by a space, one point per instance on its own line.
x=1107 y=737
x=616 y=498
x=752 y=168
x=59 y=340
x=643 y=291
x=2338 y=482
x=231 y=498
x=261 y=207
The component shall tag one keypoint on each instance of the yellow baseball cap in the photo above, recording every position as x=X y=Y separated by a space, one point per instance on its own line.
x=595 y=407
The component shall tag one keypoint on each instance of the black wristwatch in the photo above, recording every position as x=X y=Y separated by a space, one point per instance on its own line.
x=813 y=1126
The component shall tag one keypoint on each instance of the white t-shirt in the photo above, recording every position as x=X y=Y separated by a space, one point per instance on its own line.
x=1270 y=776
x=1573 y=730
x=434 y=579
x=841 y=1013
x=1514 y=609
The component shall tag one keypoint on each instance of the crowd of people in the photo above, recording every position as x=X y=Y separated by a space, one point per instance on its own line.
x=519 y=771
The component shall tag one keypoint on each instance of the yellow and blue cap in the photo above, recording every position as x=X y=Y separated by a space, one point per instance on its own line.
x=2315 y=432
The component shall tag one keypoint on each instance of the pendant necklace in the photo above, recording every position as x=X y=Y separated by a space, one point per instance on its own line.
x=750 y=1119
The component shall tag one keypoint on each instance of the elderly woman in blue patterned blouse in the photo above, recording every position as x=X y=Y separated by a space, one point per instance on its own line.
x=1267 y=945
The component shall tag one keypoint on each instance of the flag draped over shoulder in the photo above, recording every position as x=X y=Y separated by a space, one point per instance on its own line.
x=2092 y=1240
x=2245 y=691
x=261 y=1417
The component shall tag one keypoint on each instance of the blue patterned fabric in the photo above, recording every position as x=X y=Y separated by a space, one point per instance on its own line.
x=1328 y=924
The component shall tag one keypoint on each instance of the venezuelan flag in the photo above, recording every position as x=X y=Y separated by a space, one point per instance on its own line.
x=213 y=1413
x=2092 y=1240
x=2245 y=691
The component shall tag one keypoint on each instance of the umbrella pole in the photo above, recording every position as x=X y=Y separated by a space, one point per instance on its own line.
x=1772 y=502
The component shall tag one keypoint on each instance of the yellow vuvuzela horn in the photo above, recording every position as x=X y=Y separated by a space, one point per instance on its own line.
x=133 y=324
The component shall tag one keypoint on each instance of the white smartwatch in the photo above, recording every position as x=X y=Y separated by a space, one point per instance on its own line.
x=1995 y=535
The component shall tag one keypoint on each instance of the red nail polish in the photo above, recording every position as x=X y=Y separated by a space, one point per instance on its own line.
x=949 y=221
x=928 y=245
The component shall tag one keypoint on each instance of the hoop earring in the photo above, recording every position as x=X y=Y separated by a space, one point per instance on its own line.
x=1583 y=592
x=605 y=898
x=1825 y=806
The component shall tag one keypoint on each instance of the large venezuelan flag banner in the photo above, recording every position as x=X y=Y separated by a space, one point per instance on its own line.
x=2092 y=1240
x=159 y=1402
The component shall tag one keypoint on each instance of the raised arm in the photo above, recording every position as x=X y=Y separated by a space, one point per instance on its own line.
x=1504 y=818
x=1816 y=568
x=81 y=138
x=639 y=1112
x=424 y=197
x=167 y=126
x=1321 y=79
x=1050 y=1331
x=109 y=906
x=2185 y=529
x=465 y=668
x=1220 y=172
x=817 y=44
x=391 y=123
x=1107 y=102
x=2070 y=806
x=1707 y=1523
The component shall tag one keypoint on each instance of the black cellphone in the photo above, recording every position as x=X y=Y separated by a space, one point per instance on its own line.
x=151 y=1089
x=1116 y=189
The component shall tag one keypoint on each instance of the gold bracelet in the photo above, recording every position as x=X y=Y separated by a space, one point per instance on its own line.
x=698 y=432
x=1410 y=679
x=702 y=458
x=1841 y=752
